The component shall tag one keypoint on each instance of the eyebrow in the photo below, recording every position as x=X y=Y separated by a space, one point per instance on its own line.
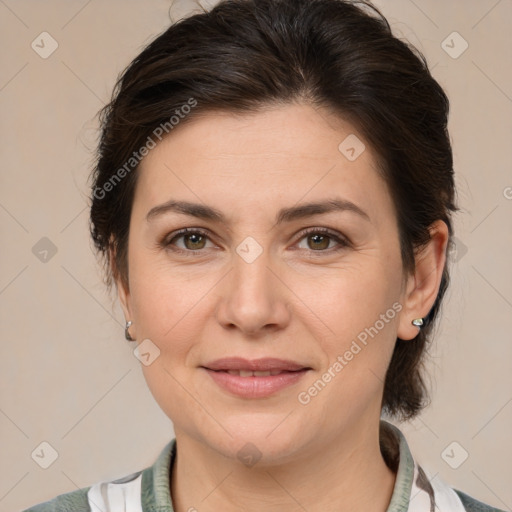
x=289 y=214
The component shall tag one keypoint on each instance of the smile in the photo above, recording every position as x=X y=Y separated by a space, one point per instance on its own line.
x=255 y=384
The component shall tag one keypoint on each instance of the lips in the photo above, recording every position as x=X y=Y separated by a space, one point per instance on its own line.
x=257 y=378
x=266 y=364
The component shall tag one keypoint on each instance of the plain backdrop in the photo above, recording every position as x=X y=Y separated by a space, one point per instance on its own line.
x=68 y=377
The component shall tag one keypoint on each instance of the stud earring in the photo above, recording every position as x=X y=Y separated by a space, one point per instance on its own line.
x=126 y=333
x=418 y=322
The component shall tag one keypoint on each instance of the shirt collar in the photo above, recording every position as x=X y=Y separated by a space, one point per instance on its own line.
x=155 y=491
x=399 y=450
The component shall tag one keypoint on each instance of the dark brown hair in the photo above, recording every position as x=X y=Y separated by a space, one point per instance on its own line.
x=246 y=55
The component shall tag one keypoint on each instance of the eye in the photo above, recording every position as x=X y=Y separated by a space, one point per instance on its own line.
x=320 y=239
x=194 y=240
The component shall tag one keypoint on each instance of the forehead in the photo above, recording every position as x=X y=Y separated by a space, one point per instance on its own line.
x=263 y=160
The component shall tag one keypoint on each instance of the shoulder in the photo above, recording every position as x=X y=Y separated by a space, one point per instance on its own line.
x=74 y=501
x=473 y=505
x=421 y=485
x=147 y=489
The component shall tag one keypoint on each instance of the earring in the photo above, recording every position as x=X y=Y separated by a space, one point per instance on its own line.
x=418 y=322
x=126 y=333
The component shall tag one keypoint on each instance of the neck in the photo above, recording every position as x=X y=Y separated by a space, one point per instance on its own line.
x=348 y=474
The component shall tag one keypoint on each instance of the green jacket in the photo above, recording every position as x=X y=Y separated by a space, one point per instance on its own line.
x=148 y=490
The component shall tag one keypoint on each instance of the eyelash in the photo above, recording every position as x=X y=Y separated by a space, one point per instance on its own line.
x=167 y=242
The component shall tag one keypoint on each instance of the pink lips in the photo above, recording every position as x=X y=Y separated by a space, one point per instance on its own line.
x=272 y=375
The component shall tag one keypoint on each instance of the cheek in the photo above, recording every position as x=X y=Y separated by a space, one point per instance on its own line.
x=352 y=297
x=357 y=352
x=166 y=312
x=159 y=293
x=170 y=307
x=359 y=308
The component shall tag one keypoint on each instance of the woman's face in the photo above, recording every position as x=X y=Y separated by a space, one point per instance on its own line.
x=255 y=285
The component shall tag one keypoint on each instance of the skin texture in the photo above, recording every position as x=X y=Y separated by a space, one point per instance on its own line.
x=294 y=301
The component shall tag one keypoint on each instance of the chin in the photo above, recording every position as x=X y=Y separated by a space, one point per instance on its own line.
x=264 y=438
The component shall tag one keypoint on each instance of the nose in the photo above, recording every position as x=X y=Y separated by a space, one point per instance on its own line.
x=254 y=299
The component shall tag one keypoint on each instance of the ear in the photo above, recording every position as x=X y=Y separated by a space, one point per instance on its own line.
x=122 y=287
x=423 y=285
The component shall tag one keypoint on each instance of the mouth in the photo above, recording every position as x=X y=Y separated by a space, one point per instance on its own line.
x=257 y=378
x=248 y=373
x=255 y=366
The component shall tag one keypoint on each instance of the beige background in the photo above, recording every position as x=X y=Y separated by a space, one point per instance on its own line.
x=69 y=378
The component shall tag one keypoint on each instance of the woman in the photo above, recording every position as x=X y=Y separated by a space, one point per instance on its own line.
x=273 y=200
